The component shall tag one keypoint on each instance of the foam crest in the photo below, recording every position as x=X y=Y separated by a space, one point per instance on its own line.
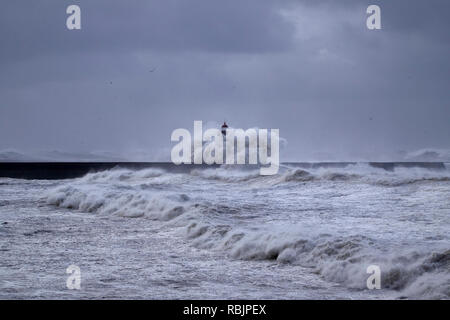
x=126 y=203
x=122 y=175
x=345 y=260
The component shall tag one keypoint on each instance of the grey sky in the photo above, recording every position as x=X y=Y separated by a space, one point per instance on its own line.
x=139 y=69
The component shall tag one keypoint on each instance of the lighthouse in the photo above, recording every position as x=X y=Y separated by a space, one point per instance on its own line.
x=224 y=128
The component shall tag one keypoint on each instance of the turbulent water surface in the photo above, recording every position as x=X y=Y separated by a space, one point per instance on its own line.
x=228 y=233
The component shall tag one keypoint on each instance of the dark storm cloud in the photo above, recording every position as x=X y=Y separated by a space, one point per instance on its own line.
x=139 y=69
x=37 y=27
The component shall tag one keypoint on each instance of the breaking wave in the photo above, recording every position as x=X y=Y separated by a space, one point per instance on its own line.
x=342 y=260
x=418 y=273
x=354 y=173
x=128 y=203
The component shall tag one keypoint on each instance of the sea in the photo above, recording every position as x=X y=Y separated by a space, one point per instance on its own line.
x=314 y=232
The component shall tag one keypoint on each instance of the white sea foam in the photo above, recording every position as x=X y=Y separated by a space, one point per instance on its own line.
x=215 y=210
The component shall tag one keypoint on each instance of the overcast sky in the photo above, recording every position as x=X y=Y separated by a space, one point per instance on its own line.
x=140 y=69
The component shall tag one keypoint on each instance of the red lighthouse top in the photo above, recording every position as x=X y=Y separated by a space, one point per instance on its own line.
x=224 y=128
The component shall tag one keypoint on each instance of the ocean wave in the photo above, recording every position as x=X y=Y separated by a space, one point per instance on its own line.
x=358 y=173
x=400 y=181
x=227 y=174
x=366 y=174
x=419 y=273
x=355 y=173
x=337 y=259
x=120 y=174
x=130 y=204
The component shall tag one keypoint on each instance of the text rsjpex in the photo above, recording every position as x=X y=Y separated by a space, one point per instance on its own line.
x=209 y=147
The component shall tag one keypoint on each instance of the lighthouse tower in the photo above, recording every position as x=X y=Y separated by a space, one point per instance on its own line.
x=224 y=128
